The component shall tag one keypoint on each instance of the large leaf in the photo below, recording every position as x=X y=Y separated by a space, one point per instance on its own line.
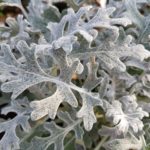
x=49 y=106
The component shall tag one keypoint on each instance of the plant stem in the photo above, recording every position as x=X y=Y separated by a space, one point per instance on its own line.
x=24 y=11
x=73 y=4
x=38 y=123
x=143 y=142
x=69 y=142
x=101 y=143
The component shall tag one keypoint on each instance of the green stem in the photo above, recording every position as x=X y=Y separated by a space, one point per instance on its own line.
x=101 y=143
x=73 y=4
x=66 y=145
x=24 y=11
x=143 y=142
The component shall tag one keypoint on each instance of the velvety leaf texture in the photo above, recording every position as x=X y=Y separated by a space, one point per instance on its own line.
x=58 y=133
x=124 y=144
x=75 y=74
x=10 y=140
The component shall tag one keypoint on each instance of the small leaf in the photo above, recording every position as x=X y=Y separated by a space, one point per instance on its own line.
x=129 y=142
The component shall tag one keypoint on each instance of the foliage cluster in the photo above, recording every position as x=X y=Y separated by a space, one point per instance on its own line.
x=77 y=77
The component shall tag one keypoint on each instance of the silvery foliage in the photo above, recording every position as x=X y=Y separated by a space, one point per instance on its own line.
x=42 y=50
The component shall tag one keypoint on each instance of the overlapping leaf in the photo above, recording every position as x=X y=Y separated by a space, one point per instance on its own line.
x=10 y=139
x=72 y=23
x=87 y=110
x=45 y=40
x=20 y=76
x=142 y=22
x=58 y=133
x=129 y=142
x=15 y=30
x=126 y=114
x=49 y=106
x=39 y=16
x=111 y=55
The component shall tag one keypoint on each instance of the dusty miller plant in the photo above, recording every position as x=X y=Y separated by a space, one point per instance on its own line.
x=78 y=78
